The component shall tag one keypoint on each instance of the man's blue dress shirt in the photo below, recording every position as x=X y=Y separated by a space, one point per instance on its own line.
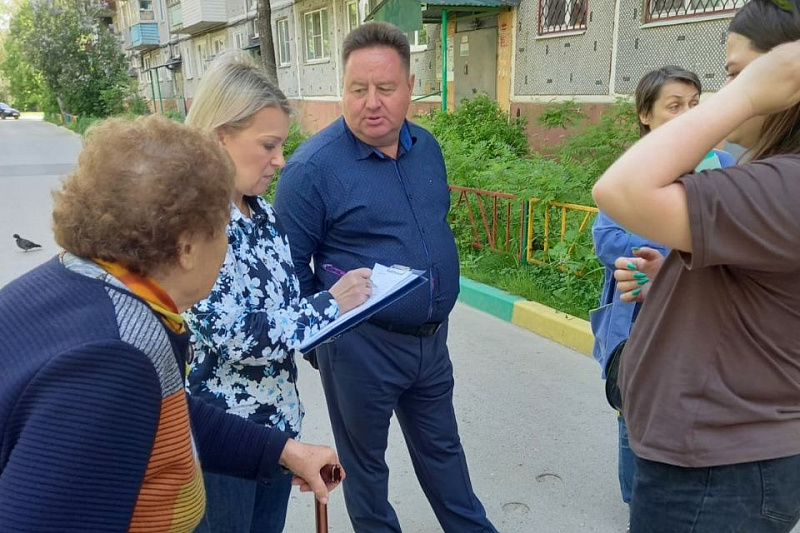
x=344 y=203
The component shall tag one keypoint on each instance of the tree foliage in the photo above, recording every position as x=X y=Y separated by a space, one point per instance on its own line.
x=62 y=53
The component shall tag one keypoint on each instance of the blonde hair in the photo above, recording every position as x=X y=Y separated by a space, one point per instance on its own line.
x=232 y=90
x=139 y=187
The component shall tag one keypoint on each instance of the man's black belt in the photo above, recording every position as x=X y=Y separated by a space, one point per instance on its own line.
x=425 y=330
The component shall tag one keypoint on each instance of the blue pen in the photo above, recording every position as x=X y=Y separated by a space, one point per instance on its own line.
x=333 y=270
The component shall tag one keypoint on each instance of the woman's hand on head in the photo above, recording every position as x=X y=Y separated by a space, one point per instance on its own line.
x=634 y=275
x=352 y=289
x=770 y=83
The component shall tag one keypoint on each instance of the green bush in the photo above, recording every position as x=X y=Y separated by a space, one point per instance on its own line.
x=601 y=143
x=562 y=115
x=82 y=124
x=296 y=137
x=483 y=150
x=481 y=121
x=137 y=105
x=175 y=115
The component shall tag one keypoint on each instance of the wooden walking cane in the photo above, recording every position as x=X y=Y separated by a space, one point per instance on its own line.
x=330 y=474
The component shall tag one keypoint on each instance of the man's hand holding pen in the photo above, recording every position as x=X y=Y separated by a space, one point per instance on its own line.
x=352 y=289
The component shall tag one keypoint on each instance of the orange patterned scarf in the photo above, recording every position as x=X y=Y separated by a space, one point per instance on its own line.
x=148 y=290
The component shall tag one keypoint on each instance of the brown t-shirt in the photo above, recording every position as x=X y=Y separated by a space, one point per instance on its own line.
x=711 y=374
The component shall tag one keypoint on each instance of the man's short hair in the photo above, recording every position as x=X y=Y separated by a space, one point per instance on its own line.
x=373 y=34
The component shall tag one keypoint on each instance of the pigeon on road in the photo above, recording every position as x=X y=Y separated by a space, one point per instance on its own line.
x=25 y=244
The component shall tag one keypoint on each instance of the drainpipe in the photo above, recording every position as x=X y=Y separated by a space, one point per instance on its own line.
x=153 y=93
x=444 y=60
x=158 y=84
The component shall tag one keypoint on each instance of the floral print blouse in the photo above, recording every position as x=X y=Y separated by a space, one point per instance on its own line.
x=245 y=333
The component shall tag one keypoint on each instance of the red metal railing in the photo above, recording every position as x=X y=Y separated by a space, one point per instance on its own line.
x=493 y=218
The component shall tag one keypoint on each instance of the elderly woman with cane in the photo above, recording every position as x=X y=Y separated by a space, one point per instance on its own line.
x=96 y=431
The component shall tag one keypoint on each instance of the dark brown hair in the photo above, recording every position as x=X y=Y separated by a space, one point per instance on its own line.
x=648 y=90
x=375 y=34
x=139 y=187
x=767 y=25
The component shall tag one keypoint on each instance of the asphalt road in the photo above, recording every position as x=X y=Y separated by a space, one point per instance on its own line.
x=540 y=440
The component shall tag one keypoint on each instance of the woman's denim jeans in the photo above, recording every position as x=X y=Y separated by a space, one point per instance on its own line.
x=626 y=464
x=235 y=505
x=759 y=497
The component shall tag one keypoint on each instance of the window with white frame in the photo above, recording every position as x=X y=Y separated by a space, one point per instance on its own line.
x=671 y=9
x=202 y=58
x=186 y=64
x=165 y=58
x=418 y=39
x=562 y=15
x=317 y=41
x=146 y=10
x=145 y=74
x=353 y=18
x=284 y=48
x=238 y=39
x=218 y=45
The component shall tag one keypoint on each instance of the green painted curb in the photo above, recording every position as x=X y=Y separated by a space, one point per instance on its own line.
x=487 y=299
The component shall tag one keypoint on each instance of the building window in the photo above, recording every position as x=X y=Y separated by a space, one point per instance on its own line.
x=353 y=20
x=562 y=15
x=284 y=50
x=146 y=62
x=317 y=44
x=672 y=9
x=186 y=55
x=167 y=73
x=202 y=58
x=175 y=17
x=146 y=10
x=218 y=45
x=418 y=39
x=238 y=38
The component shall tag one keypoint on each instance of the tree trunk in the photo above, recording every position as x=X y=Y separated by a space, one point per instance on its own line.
x=267 y=46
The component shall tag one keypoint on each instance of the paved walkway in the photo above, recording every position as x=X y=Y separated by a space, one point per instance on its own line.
x=540 y=440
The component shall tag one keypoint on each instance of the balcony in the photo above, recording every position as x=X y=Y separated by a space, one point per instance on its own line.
x=143 y=36
x=201 y=15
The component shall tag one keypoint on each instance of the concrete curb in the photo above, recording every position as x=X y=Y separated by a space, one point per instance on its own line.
x=565 y=329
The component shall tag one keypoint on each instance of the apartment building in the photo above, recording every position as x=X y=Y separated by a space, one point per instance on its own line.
x=523 y=53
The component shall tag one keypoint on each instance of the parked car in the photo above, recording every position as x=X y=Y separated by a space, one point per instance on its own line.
x=8 y=111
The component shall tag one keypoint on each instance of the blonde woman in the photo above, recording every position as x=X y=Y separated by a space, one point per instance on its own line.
x=246 y=331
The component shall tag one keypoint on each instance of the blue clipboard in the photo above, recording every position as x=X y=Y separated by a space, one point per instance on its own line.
x=405 y=280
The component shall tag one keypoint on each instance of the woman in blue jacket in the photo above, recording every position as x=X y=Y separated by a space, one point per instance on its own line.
x=661 y=95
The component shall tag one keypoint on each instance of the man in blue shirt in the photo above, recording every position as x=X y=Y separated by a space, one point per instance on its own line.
x=372 y=187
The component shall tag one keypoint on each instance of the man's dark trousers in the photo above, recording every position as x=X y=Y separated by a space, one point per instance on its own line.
x=368 y=374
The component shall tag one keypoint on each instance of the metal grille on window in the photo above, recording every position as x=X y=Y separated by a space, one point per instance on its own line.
x=562 y=15
x=670 y=9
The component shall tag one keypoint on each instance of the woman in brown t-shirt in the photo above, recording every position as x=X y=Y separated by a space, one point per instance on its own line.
x=711 y=375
